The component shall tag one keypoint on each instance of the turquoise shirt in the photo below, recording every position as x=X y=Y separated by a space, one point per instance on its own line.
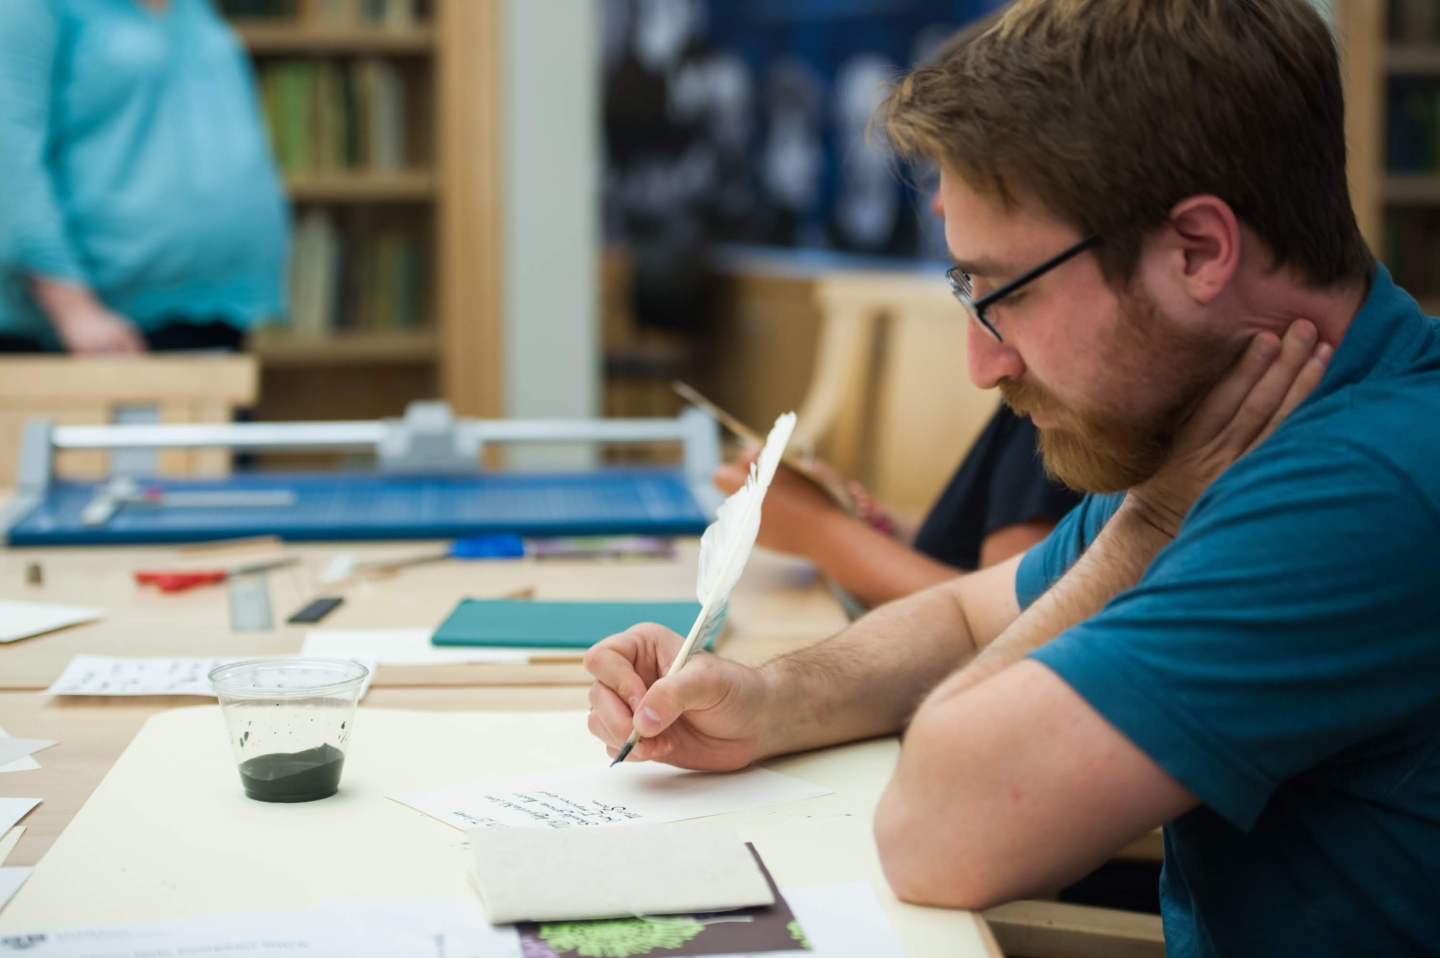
x=133 y=159
x=1281 y=659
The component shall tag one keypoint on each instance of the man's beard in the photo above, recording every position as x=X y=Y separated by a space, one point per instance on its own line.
x=1115 y=448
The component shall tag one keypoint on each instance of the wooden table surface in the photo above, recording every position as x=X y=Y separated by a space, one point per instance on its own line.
x=778 y=606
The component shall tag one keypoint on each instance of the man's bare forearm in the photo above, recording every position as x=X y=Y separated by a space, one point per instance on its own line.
x=868 y=680
x=870 y=565
x=1114 y=563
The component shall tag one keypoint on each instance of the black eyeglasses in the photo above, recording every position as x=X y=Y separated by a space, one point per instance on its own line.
x=963 y=289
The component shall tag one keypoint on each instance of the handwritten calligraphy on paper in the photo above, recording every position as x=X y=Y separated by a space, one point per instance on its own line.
x=542 y=807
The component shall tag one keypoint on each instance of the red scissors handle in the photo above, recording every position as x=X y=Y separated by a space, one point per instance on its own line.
x=180 y=581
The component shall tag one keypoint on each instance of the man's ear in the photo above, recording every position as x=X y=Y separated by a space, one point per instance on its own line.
x=1204 y=239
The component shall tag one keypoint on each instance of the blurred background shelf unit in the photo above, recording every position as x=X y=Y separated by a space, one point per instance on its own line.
x=384 y=116
x=1391 y=51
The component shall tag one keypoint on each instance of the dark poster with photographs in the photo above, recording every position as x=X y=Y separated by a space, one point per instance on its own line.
x=745 y=121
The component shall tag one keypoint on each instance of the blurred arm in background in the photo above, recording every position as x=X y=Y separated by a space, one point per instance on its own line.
x=999 y=504
x=34 y=248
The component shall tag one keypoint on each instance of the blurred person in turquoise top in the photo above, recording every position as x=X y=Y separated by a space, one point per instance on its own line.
x=140 y=207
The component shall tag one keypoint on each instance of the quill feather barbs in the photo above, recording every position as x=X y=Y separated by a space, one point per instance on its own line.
x=727 y=543
x=726 y=546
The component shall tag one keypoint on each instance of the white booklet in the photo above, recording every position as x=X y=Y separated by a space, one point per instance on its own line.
x=601 y=795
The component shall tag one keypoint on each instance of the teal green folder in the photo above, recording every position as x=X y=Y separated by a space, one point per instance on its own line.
x=525 y=623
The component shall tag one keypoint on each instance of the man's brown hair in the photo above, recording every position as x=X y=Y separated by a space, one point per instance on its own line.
x=1109 y=112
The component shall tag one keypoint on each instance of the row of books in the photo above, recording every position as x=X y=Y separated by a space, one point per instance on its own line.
x=329 y=114
x=395 y=14
x=1412 y=128
x=1412 y=250
x=1415 y=21
x=354 y=278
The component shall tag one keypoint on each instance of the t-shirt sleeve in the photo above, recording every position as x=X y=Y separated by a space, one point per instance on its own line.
x=1020 y=491
x=1292 y=618
x=33 y=241
x=1045 y=563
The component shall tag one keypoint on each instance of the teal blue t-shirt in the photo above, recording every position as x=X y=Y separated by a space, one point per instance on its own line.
x=1281 y=659
x=134 y=161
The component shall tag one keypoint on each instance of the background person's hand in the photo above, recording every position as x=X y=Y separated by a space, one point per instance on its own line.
x=792 y=508
x=86 y=326
x=98 y=331
x=1270 y=380
x=709 y=716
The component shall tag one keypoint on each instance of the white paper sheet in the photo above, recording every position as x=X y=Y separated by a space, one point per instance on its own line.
x=274 y=934
x=20 y=620
x=14 y=809
x=8 y=841
x=340 y=567
x=403 y=647
x=13 y=750
x=26 y=764
x=599 y=795
x=10 y=881
x=844 y=921
x=104 y=675
x=459 y=922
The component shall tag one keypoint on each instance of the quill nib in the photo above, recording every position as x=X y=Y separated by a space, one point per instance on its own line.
x=629 y=746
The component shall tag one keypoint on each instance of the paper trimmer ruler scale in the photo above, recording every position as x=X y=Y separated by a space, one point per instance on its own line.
x=249 y=603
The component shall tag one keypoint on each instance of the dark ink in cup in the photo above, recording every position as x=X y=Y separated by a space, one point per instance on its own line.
x=289 y=722
x=294 y=777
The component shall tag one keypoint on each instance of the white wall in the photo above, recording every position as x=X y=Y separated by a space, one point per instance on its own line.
x=552 y=175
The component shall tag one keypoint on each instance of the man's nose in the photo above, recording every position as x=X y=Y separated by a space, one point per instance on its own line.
x=990 y=361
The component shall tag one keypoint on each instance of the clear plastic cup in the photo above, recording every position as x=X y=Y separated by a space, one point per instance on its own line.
x=289 y=721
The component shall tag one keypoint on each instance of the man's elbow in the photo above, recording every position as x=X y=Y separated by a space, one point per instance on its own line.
x=932 y=862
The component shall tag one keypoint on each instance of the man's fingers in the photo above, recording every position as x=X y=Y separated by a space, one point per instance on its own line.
x=1268 y=395
x=617 y=670
x=1223 y=403
x=1304 y=384
x=614 y=719
x=697 y=686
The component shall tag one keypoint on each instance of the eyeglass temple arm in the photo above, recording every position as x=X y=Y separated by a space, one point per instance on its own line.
x=1001 y=292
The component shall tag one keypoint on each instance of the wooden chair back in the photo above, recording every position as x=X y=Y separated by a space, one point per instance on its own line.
x=897 y=393
x=74 y=391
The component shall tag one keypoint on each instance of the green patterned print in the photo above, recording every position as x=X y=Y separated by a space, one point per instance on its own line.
x=798 y=934
x=620 y=938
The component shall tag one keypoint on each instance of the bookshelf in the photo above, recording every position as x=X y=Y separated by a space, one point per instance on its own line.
x=1415 y=59
x=381 y=348
x=408 y=186
x=1391 y=51
x=265 y=38
x=404 y=189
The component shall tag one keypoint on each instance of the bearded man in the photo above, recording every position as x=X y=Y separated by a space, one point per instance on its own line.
x=1235 y=635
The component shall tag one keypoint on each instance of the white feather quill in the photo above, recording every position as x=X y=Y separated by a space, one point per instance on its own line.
x=725 y=548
